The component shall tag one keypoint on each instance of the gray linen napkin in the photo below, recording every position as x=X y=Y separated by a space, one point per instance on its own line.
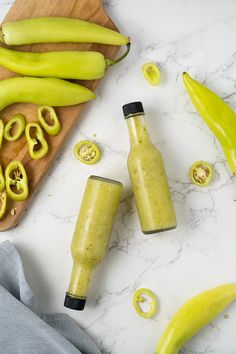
x=23 y=328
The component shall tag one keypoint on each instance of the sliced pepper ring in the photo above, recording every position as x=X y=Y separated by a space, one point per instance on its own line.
x=87 y=152
x=151 y=73
x=2 y=180
x=143 y=295
x=37 y=144
x=16 y=181
x=201 y=173
x=3 y=206
x=18 y=120
x=1 y=132
x=55 y=126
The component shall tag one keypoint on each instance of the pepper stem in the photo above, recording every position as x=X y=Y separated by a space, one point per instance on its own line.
x=110 y=62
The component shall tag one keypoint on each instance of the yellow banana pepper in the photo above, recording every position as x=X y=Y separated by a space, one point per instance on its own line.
x=219 y=117
x=193 y=316
x=58 y=29
x=83 y=65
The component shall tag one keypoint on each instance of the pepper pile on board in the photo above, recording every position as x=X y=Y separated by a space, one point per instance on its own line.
x=44 y=83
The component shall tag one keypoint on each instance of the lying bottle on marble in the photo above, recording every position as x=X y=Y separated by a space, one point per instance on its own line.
x=147 y=173
x=91 y=236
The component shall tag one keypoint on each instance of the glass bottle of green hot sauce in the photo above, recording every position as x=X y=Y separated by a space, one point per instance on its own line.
x=147 y=173
x=91 y=236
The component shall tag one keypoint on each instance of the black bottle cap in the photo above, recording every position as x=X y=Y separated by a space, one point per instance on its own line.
x=74 y=303
x=132 y=108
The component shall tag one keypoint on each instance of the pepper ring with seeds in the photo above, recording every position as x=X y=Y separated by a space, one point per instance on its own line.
x=87 y=152
x=201 y=173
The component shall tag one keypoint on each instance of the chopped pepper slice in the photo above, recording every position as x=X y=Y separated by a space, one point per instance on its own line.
x=53 y=126
x=1 y=132
x=2 y=180
x=18 y=120
x=38 y=146
x=151 y=73
x=142 y=295
x=87 y=152
x=201 y=173
x=3 y=206
x=16 y=181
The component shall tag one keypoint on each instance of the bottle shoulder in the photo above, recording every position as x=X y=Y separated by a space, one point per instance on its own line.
x=147 y=148
x=144 y=155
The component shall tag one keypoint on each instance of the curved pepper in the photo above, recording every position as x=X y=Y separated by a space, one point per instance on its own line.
x=42 y=91
x=3 y=206
x=2 y=180
x=58 y=29
x=219 y=117
x=84 y=65
x=201 y=173
x=16 y=181
x=194 y=315
x=37 y=145
x=140 y=296
x=51 y=129
x=87 y=152
x=18 y=120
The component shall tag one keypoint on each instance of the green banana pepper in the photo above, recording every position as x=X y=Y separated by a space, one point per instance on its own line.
x=219 y=117
x=2 y=180
x=83 y=65
x=18 y=120
x=58 y=29
x=1 y=132
x=52 y=128
x=16 y=181
x=3 y=207
x=42 y=91
x=194 y=315
x=37 y=144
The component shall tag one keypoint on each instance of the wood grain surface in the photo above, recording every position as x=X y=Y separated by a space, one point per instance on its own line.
x=91 y=10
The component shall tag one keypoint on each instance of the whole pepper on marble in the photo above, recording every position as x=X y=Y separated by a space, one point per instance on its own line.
x=219 y=117
x=194 y=315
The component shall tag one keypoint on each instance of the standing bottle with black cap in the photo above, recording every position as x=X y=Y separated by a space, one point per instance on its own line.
x=147 y=173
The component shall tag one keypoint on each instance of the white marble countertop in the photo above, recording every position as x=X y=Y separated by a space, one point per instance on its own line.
x=197 y=36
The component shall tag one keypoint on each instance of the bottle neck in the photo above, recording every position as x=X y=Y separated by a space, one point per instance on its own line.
x=138 y=133
x=79 y=282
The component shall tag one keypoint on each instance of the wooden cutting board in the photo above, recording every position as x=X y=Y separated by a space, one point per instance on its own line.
x=91 y=10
